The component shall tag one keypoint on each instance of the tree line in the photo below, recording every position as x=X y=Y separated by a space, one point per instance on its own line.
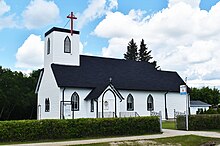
x=17 y=97
x=206 y=94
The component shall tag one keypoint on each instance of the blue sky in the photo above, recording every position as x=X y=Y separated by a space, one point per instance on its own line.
x=183 y=35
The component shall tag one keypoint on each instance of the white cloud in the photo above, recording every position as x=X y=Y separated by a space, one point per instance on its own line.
x=26 y=72
x=81 y=49
x=30 y=54
x=3 y=7
x=182 y=38
x=96 y=9
x=6 y=21
x=204 y=83
x=40 y=13
x=113 y=48
x=112 y=4
x=193 y=3
x=114 y=25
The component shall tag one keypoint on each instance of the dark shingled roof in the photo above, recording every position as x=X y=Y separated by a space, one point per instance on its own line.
x=95 y=72
x=198 y=103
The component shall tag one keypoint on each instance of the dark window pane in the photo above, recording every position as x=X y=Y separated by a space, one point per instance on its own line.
x=67 y=45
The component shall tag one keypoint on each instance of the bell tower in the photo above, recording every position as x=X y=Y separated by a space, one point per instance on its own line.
x=62 y=46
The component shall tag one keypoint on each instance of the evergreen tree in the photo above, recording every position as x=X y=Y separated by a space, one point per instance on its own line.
x=144 y=54
x=155 y=64
x=131 y=53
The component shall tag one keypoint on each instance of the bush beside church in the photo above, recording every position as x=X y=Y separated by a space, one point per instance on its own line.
x=200 y=122
x=31 y=130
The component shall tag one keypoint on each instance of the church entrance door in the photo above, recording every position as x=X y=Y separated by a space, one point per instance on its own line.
x=109 y=104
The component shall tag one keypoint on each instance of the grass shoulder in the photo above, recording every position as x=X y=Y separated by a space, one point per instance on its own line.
x=169 y=125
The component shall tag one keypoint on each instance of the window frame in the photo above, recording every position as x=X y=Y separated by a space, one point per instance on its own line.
x=47 y=105
x=130 y=105
x=48 y=46
x=75 y=102
x=92 y=106
x=67 y=43
x=150 y=103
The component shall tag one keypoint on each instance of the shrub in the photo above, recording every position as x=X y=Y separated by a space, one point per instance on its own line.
x=211 y=111
x=200 y=122
x=204 y=122
x=30 y=130
x=181 y=122
x=218 y=110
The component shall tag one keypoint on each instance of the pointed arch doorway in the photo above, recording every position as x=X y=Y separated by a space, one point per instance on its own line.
x=109 y=104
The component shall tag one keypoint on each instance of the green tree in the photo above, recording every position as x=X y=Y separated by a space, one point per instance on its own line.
x=131 y=53
x=17 y=97
x=206 y=94
x=155 y=64
x=144 y=54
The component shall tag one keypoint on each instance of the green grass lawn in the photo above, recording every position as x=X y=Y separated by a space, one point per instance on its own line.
x=168 y=125
x=188 y=140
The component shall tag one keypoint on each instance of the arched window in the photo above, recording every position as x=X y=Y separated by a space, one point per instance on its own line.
x=47 y=105
x=75 y=101
x=150 y=103
x=130 y=103
x=48 y=46
x=67 y=45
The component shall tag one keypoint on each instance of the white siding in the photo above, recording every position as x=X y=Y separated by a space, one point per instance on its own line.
x=48 y=89
x=140 y=101
x=177 y=102
x=174 y=101
x=84 y=106
x=193 y=110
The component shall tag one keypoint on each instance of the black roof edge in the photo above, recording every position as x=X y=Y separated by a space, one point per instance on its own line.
x=39 y=80
x=150 y=90
x=87 y=97
x=108 y=58
x=84 y=87
x=112 y=58
x=116 y=92
x=60 y=30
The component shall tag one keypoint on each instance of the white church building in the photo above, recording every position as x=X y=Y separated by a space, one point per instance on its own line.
x=78 y=86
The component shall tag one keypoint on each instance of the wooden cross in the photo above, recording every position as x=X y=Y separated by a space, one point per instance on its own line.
x=71 y=17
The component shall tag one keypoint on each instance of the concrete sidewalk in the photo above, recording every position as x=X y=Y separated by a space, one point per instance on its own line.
x=166 y=133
